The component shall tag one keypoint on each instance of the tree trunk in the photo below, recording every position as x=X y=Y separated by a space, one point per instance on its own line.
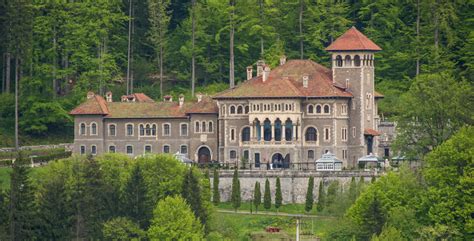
x=17 y=79
x=193 y=70
x=7 y=73
x=301 y=29
x=3 y=73
x=54 y=65
x=436 y=24
x=417 y=37
x=260 y=3
x=161 y=71
x=231 y=47
x=128 y=49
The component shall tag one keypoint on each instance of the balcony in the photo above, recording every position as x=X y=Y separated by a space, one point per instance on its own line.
x=267 y=143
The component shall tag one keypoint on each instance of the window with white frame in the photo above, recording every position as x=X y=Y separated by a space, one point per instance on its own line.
x=310 y=154
x=232 y=134
x=147 y=129
x=343 y=109
x=344 y=154
x=232 y=110
x=318 y=109
x=153 y=129
x=166 y=129
x=197 y=127
x=203 y=126
x=326 y=134
x=183 y=129
x=344 y=134
x=326 y=109
x=83 y=150
x=129 y=130
x=232 y=154
x=112 y=130
x=142 y=130
x=183 y=149
x=82 y=129
x=93 y=128
x=147 y=149
x=166 y=149
x=112 y=149
x=211 y=127
x=310 y=109
x=129 y=149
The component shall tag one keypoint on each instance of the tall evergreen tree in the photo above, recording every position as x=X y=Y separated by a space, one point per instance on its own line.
x=267 y=196
x=134 y=198
x=309 y=195
x=216 y=198
x=278 y=196
x=235 y=196
x=4 y=215
x=331 y=196
x=353 y=190
x=192 y=194
x=321 y=197
x=257 y=196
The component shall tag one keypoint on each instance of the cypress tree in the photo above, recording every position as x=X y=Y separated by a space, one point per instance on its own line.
x=235 y=197
x=373 y=179
x=309 y=195
x=216 y=198
x=257 y=196
x=278 y=197
x=267 y=198
x=134 y=198
x=321 y=197
x=192 y=193
x=3 y=215
x=353 y=190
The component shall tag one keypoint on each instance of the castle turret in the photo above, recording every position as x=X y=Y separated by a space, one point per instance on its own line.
x=353 y=69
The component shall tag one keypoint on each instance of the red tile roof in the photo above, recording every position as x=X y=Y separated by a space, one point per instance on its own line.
x=378 y=95
x=92 y=106
x=287 y=81
x=205 y=106
x=352 y=39
x=141 y=97
x=371 y=132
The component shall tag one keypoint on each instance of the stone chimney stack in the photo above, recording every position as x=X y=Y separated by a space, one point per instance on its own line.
x=249 y=72
x=260 y=65
x=108 y=96
x=266 y=73
x=199 y=97
x=168 y=98
x=283 y=60
x=90 y=95
x=181 y=100
x=305 y=81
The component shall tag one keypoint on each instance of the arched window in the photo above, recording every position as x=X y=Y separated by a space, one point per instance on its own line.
x=288 y=130
x=153 y=129
x=142 y=130
x=232 y=109
x=318 y=109
x=184 y=130
x=310 y=154
x=240 y=110
x=339 y=61
x=357 y=60
x=129 y=130
x=148 y=130
x=112 y=149
x=347 y=61
x=258 y=134
x=310 y=109
x=112 y=130
x=277 y=130
x=196 y=127
x=246 y=109
x=82 y=129
x=93 y=129
x=326 y=109
x=166 y=130
x=210 y=129
x=267 y=130
x=246 y=134
x=311 y=134
x=203 y=126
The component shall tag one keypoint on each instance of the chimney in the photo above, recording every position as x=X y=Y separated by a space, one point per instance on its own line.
x=108 y=96
x=305 y=81
x=168 y=98
x=90 y=95
x=283 y=60
x=249 y=72
x=199 y=97
x=266 y=73
x=181 y=100
x=260 y=65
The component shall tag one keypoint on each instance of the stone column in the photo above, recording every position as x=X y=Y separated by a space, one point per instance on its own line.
x=284 y=133
x=251 y=131
x=273 y=131
x=261 y=131
x=294 y=133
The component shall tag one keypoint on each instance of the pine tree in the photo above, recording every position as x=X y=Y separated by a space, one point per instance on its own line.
x=235 y=197
x=278 y=196
x=373 y=179
x=191 y=192
x=353 y=190
x=332 y=192
x=321 y=197
x=267 y=197
x=3 y=215
x=216 y=198
x=309 y=195
x=257 y=196
x=134 y=198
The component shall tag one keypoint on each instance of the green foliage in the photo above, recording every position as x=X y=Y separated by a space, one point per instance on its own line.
x=216 y=198
x=321 y=197
x=192 y=194
x=121 y=228
x=173 y=219
x=388 y=234
x=235 y=196
x=309 y=195
x=257 y=196
x=4 y=211
x=267 y=196
x=353 y=190
x=134 y=197
x=278 y=197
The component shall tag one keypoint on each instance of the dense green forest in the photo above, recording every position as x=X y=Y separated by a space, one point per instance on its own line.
x=58 y=50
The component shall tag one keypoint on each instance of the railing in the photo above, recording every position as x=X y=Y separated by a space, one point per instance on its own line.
x=272 y=142
x=302 y=166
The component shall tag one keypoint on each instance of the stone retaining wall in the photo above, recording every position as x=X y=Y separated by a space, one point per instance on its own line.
x=66 y=146
x=294 y=184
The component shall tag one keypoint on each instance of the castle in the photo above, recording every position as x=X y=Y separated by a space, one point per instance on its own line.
x=291 y=114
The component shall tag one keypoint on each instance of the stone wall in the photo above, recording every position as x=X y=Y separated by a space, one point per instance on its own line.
x=294 y=184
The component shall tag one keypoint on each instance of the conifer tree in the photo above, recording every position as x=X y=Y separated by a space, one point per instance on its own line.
x=278 y=197
x=267 y=197
x=309 y=195
x=216 y=198
x=332 y=192
x=353 y=190
x=257 y=196
x=235 y=197
x=3 y=215
x=134 y=198
x=373 y=179
x=321 y=197
x=192 y=193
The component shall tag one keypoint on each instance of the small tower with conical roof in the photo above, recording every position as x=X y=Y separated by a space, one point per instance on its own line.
x=353 y=69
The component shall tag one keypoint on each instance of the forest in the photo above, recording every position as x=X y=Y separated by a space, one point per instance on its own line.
x=53 y=52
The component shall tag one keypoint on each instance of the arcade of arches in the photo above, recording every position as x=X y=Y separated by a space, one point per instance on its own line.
x=271 y=131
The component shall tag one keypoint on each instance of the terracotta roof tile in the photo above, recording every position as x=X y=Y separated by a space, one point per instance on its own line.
x=371 y=132
x=206 y=105
x=352 y=39
x=92 y=106
x=287 y=81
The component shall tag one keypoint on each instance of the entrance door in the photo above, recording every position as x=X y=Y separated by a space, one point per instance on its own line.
x=277 y=160
x=204 y=155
